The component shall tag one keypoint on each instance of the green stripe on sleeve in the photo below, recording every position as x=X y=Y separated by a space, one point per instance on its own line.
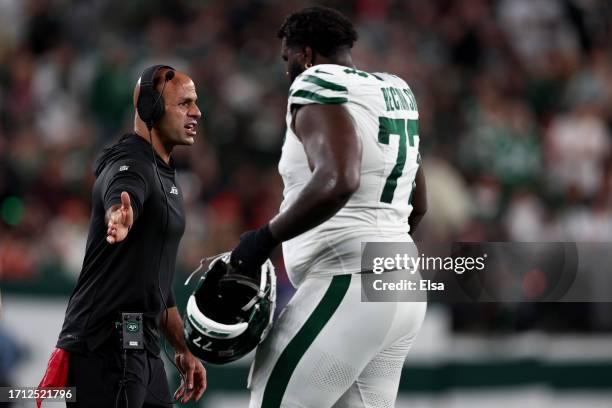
x=323 y=83
x=297 y=347
x=300 y=93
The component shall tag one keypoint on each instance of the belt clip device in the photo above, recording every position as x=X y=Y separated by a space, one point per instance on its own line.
x=132 y=335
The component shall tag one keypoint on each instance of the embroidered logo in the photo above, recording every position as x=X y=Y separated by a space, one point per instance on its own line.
x=132 y=326
x=174 y=190
x=124 y=168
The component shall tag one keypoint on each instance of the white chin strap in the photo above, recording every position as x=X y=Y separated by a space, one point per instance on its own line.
x=209 y=326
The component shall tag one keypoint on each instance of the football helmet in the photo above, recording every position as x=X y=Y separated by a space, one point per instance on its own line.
x=229 y=314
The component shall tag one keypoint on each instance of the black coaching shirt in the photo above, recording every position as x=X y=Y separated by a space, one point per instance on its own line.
x=124 y=277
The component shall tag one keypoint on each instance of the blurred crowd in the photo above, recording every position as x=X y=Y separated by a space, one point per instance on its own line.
x=514 y=99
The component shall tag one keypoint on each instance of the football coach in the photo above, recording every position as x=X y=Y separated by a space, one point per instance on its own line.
x=123 y=298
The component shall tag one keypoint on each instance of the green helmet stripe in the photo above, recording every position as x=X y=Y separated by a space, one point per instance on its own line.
x=205 y=330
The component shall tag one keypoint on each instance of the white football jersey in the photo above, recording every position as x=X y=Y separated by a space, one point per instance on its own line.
x=384 y=111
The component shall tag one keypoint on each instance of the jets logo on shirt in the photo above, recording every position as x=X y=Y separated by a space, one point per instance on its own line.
x=174 y=190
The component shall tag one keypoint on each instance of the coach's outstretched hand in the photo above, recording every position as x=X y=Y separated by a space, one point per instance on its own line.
x=194 y=373
x=119 y=220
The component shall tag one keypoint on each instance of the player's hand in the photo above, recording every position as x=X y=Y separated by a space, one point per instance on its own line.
x=195 y=375
x=120 y=218
x=254 y=248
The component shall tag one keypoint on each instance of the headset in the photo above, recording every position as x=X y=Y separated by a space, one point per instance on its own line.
x=150 y=106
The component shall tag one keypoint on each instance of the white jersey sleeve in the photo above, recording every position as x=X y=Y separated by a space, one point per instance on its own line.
x=318 y=86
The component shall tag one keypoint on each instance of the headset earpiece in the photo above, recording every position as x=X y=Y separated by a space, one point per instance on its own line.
x=150 y=104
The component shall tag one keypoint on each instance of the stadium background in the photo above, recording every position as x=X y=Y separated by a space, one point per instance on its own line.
x=515 y=106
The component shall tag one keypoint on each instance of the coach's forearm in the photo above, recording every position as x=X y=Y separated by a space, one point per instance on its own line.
x=173 y=329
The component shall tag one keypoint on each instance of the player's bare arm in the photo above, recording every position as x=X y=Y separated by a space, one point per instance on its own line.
x=419 y=201
x=334 y=156
x=191 y=367
x=333 y=150
x=119 y=219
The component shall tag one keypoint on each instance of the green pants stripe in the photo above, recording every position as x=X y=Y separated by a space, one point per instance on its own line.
x=291 y=356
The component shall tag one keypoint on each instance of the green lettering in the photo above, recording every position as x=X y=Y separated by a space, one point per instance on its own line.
x=387 y=99
x=395 y=97
x=403 y=101
x=411 y=99
x=356 y=71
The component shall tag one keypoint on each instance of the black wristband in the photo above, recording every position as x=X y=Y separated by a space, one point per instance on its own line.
x=267 y=238
x=254 y=248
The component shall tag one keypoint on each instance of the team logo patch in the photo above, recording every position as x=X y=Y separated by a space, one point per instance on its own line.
x=131 y=326
x=124 y=168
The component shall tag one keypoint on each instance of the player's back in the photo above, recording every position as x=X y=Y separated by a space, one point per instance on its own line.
x=385 y=115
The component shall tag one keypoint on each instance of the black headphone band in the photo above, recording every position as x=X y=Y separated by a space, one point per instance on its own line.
x=148 y=75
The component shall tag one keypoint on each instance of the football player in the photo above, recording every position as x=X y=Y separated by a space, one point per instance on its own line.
x=351 y=170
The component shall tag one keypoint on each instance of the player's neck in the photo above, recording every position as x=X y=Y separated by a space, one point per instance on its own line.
x=343 y=59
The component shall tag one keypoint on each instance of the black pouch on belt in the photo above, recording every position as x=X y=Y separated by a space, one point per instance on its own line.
x=131 y=331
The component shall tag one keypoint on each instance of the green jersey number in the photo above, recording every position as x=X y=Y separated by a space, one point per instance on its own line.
x=356 y=71
x=403 y=128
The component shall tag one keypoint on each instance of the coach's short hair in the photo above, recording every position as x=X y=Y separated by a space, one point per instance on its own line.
x=325 y=30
